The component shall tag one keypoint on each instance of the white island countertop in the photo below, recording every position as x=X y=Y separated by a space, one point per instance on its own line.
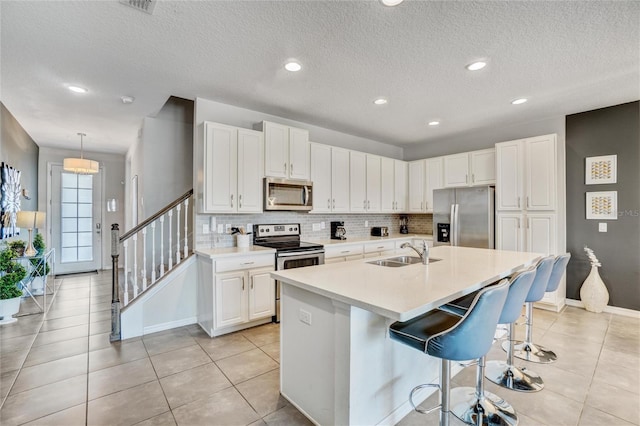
x=405 y=292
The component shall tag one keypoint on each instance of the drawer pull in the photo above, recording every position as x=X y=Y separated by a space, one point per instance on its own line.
x=346 y=251
x=248 y=263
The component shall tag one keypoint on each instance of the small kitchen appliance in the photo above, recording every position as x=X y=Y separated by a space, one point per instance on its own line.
x=404 y=224
x=379 y=231
x=338 y=232
x=287 y=194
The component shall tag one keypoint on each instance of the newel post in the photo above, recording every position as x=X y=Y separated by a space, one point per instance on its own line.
x=115 y=294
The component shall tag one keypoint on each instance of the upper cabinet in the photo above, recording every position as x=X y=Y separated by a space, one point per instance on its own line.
x=470 y=169
x=526 y=174
x=232 y=169
x=364 y=182
x=393 y=185
x=434 y=176
x=287 y=151
x=424 y=177
x=329 y=173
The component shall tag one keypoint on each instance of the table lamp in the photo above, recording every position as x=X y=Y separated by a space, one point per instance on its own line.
x=30 y=220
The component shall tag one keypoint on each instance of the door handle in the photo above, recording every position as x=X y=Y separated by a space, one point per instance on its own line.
x=242 y=283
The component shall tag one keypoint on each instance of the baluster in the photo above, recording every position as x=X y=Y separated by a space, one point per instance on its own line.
x=186 y=228
x=170 y=247
x=125 y=245
x=144 y=258
x=161 y=245
x=135 y=265
x=178 y=207
x=153 y=252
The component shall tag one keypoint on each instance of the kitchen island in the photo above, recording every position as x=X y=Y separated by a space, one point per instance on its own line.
x=338 y=364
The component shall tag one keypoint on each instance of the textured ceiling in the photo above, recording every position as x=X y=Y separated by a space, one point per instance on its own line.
x=566 y=57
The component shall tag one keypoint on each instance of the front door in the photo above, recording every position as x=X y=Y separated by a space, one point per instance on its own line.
x=76 y=220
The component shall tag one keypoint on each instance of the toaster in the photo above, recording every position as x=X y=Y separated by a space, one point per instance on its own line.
x=379 y=231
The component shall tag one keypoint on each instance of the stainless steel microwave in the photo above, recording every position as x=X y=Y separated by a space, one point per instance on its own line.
x=287 y=194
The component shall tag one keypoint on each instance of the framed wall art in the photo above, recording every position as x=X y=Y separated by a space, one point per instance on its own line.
x=602 y=205
x=599 y=170
x=10 y=192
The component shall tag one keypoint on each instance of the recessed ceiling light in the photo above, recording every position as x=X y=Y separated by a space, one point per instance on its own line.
x=380 y=101
x=391 y=2
x=475 y=66
x=434 y=123
x=127 y=99
x=519 y=101
x=293 y=66
x=78 y=89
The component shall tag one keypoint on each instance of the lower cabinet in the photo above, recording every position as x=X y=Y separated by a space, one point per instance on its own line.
x=343 y=253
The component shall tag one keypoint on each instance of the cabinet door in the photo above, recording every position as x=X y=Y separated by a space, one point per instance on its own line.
x=509 y=175
x=509 y=232
x=357 y=182
x=339 y=180
x=433 y=168
x=250 y=166
x=299 y=154
x=220 y=168
x=416 y=186
x=483 y=167
x=540 y=169
x=387 y=185
x=262 y=295
x=456 y=170
x=541 y=233
x=276 y=150
x=401 y=185
x=231 y=299
x=373 y=183
x=321 y=177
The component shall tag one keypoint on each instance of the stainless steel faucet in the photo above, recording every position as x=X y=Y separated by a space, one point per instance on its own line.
x=424 y=255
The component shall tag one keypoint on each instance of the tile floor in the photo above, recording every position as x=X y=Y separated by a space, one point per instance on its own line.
x=62 y=370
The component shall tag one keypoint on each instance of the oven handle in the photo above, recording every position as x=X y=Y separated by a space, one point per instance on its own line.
x=300 y=253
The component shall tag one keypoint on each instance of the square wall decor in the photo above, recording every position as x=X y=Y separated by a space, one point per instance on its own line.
x=601 y=169
x=602 y=205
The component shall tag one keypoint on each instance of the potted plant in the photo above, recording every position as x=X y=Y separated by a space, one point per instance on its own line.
x=18 y=246
x=11 y=273
x=40 y=266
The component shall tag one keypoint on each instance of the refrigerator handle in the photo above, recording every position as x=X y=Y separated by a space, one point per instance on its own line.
x=452 y=226
x=457 y=225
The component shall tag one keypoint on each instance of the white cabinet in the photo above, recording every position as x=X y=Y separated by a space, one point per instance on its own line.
x=287 y=152
x=364 y=182
x=393 y=185
x=235 y=292
x=343 y=252
x=526 y=174
x=532 y=232
x=373 y=183
x=470 y=168
x=329 y=174
x=379 y=248
x=424 y=177
x=232 y=170
x=434 y=176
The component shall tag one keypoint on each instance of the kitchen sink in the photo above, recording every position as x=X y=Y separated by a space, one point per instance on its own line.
x=409 y=260
x=389 y=263
x=395 y=262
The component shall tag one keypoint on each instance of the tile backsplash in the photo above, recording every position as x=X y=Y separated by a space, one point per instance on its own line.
x=354 y=224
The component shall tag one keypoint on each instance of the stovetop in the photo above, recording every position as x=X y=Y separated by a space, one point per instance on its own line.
x=289 y=246
x=282 y=237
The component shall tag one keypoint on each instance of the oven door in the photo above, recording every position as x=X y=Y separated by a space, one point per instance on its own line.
x=295 y=260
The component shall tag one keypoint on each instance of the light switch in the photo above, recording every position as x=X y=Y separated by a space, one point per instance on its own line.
x=602 y=227
x=205 y=228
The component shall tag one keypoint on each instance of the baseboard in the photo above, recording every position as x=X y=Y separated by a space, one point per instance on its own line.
x=169 y=325
x=608 y=309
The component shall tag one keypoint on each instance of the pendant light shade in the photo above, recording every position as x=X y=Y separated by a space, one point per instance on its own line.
x=80 y=165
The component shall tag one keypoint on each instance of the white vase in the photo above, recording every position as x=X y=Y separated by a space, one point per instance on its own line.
x=8 y=308
x=593 y=292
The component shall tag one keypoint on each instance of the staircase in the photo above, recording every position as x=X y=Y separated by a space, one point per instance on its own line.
x=151 y=252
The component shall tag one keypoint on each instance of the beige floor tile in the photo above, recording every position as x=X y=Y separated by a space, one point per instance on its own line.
x=100 y=327
x=11 y=361
x=50 y=372
x=624 y=359
x=158 y=343
x=288 y=415
x=225 y=346
x=101 y=316
x=120 y=377
x=622 y=343
x=179 y=360
x=46 y=337
x=263 y=334
x=74 y=416
x=246 y=365
x=561 y=381
x=61 y=313
x=226 y=407
x=99 y=341
x=57 y=350
x=20 y=408
x=70 y=303
x=258 y=422
x=614 y=401
x=26 y=325
x=6 y=381
x=263 y=392
x=18 y=343
x=117 y=353
x=584 y=330
x=100 y=307
x=620 y=376
x=592 y=417
x=164 y=419
x=65 y=322
x=273 y=350
x=196 y=383
x=134 y=405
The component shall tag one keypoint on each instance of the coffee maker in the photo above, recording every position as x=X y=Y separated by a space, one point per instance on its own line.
x=404 y=224
x=337 y=231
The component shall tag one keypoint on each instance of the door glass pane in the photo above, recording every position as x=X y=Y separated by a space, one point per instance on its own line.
x=84 y=225
x=69 y=225
x=84 y=238
x=85 y=210
x=69 y=210
x=85 y=181
x=69 y=239
x=77 y=218
x=69 y=180
x=85 y=254
x=69 y=195
x=69 y=254
x=85 y=195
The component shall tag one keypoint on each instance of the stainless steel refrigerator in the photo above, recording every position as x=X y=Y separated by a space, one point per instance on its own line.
x=464 y=216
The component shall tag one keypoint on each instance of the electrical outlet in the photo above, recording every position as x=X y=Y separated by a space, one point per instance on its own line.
x=227 y=228
x=315 y=226
x=249 y=228
x=366 y=223
x=212 y=222
x=205 y=228
x=220 y=228
x=602 y=227
x=304 y=316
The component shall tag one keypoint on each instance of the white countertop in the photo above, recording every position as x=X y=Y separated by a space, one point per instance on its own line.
x=221 y=252
x=408 y=291
x=360 y=240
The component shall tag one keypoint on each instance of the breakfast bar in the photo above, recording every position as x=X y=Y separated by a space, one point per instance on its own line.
x=338 y=364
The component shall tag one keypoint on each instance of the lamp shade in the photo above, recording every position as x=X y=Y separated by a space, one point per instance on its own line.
x=80 y=165
x=41 y=220
x=26 y=219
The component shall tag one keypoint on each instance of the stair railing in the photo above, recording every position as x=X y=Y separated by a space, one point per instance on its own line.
x=139 y=273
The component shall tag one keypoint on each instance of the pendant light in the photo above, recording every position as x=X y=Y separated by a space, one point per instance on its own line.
x=80 y=165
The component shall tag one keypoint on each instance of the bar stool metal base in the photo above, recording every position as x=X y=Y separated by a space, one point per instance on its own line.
x=495 y=411
x=512 y=377
x=531 y=352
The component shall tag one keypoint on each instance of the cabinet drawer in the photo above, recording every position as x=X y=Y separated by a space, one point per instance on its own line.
x=343 y=250
x=379 y=246
x=245 y=262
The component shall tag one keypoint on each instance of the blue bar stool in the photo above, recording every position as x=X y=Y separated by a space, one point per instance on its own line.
x=451 y=338
x=544 y=281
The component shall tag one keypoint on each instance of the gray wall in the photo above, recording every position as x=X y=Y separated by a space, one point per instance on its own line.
x=606 y=131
